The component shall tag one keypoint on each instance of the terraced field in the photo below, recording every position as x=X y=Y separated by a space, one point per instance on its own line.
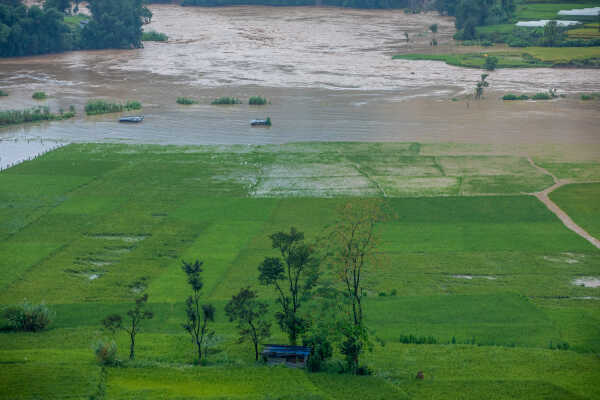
x=473 y=259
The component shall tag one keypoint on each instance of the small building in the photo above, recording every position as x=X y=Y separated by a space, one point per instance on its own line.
x=290 y=356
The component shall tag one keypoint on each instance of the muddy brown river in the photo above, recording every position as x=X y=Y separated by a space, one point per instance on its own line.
x=328 y=73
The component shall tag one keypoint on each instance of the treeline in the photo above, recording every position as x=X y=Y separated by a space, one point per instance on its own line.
x=40 y=30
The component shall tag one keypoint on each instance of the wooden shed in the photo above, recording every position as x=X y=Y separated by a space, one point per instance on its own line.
x=291 y=356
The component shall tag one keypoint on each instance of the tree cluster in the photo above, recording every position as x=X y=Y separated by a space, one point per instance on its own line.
x=321 y=314
x=473 y=13
x=35 y=30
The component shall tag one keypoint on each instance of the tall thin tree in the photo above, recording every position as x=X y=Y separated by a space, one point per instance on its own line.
x=198 y=315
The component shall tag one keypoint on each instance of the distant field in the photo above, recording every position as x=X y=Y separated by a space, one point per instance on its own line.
x=517 y=57
x=543 y=10
x=470 y=255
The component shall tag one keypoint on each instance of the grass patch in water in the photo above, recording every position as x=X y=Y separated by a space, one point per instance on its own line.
x=39 y=96
x=186 y=101
x=37 y=114
x=95 y=107
x=257 y=101
x=153 y=36
x=226 y=100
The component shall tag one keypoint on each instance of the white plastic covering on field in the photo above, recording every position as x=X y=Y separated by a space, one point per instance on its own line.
x=543 y=22
x=592 y=11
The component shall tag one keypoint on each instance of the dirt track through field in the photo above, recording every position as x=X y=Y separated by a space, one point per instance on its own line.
x=543 y=196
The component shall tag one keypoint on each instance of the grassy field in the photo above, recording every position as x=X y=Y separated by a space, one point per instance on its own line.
x=470 y=255
x=525 y=57
x=581 y=203
x=549 y=10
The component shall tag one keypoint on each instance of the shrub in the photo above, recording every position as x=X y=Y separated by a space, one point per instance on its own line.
x=28 y=317
x=541 y=96
x=382 y=294
x=226 y=100
x=510 y=96
x=154 y=36
x=186 y=101
x=268 y=121
x=39 y=96
x=590 y=96
x=364 y=370
x=490 y=63
x=3 y=93
x=106 y=352
x=321 y=351
x=257 y=101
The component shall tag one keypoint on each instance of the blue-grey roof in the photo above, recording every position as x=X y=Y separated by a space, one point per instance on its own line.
x=282 y=350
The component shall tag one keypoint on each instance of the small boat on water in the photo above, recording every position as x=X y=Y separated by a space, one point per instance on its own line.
x=134 y=119
x=261 y=122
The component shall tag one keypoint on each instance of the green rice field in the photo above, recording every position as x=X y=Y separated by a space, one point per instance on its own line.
x=472 y=259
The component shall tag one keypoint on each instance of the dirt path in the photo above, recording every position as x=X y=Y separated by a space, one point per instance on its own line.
x=544 y=197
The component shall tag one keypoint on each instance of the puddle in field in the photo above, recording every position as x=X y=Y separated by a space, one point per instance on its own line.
x=587 y=298
x=124 y=238
x=588 y=282
x=470 y=277
x=565 y=258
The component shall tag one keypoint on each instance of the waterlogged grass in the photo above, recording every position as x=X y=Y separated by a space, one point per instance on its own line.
x=37 y=114
x=153 y=36
x=95 y=107
x=39 y=96
x=226 y=101
x=492 y=271
x=186 y=101
x=257 y=101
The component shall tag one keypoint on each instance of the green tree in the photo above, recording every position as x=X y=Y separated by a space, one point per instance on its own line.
x=115 y=24
x=251 y=316
x=60 y=5
x=293 y=275
x=481 y=85
x=198 y=315
x=353 y=246
x=552 y=34
x=490 y=63
x=136 y=315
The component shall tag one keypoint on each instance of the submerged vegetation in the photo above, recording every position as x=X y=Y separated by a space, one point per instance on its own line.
x=257 y=101
x=36 y=114
x=186 y=101
x=39 y=96
x=95 y=107
x=153 y=36
x=226 y=100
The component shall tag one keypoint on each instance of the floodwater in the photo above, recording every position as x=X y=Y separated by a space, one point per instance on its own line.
x=327 y=71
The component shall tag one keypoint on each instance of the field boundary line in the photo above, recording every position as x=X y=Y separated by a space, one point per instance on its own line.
x=544 y=197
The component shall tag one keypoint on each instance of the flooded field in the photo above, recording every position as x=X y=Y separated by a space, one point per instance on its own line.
x=328 y=73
